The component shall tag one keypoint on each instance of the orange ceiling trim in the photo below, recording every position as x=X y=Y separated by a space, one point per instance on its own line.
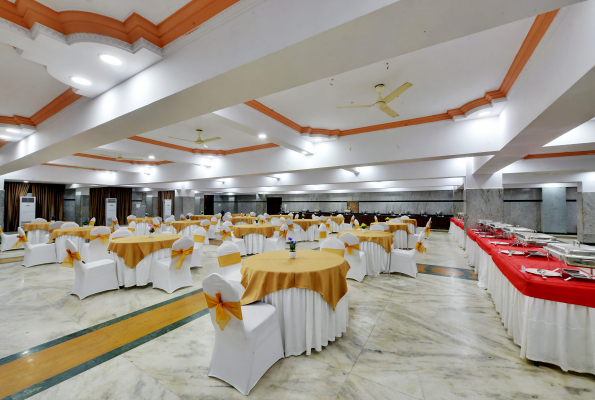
x=72 y=166
x=540 y=26
x=122 y=161
x=538 y=29
x=54 y=107
x=28 y=12
x=201 y=151
x=566 y=154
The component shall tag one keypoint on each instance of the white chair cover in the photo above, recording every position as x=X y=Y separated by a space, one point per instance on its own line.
x=292 y=232
x=95 y=250
x=231 y=272
x=357 y=260
x=230 y=238
x=37 y=254
x=403 y=261
x=70 y=225
x=169 y=278
x=197 y=254
x=94 y=277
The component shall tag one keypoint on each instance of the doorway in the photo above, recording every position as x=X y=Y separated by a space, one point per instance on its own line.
x=274 y=205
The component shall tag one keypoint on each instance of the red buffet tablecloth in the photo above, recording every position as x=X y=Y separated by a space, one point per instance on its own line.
x=458 y=222
x=554 y=289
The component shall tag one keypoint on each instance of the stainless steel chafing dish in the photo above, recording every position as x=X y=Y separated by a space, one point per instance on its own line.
x=534 y=239
x=484 y=221
x=573 y=254
x=497 y=225
x=511 y=230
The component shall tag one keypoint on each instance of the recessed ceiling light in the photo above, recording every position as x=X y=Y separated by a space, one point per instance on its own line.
x=12 y=130
x=317 y=139
x=262 y=135
x=4 y=137
x=152 y=157
x=304 y=152
x=483 y=114
x=106 y=58
x=80 y=81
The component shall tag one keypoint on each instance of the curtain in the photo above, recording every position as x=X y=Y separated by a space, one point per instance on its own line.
x=12 y=198
x=165 y=195
x=50 y=200
x=124 y=196
x=97 y=198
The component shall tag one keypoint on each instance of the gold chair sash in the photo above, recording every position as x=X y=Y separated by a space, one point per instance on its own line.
x=328 y=226
x=157 y=226
x=199 y=239
x=114 y=223
x=213 y=222
x=339 y=252
x=277 y=228
x=1 y=231
x=427 y=231
x=356 y=226
x=19 y=242
x=375 y=219
x=321 y=235
x=91 y=223
x=283 y=234
x=183 y=219
x=224 y=235
x=70 y=257
x=222 y=317
x=229 y=259
x=131 y=230
x=420 y=247
x=182 y=253
x=104 y=239
x=351 y=248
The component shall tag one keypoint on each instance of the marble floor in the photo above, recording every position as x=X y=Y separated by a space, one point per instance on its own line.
x=434 y=337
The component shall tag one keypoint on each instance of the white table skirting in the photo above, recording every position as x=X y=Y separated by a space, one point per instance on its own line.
x=334 y=227
x=142 y=274
x=470 y=251
x=38 y=236
x=142 y=228
x=458 y=234
x=400 y=239
x=241 y=223
x=377 y=259
x=307 y=321
x=254 y=243
x=547 y=331
x=309 y=235
x=188 y=231
x=61 y=245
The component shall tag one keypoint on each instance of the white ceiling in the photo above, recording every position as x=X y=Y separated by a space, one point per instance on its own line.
x=444 y=76
x=153 y=10
x=25 y=86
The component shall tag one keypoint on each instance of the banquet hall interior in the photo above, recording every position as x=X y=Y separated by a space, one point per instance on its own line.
x=277 y=199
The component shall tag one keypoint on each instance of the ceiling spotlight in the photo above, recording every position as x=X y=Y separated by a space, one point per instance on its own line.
x=12 y=130
x=106 y=58
x=262 y=135
x=483 y=114
x=152 y=157
x=80 y=81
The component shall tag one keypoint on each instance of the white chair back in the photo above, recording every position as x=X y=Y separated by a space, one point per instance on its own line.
x=205 y=222
x=356 y=222
x=120 y=233
x=350 y=239
x=267 y=216
x=97 y=250
x=384 y=226
x=131 y=216
x=213 y=221
x=405 y=216
x=183 y=243
x=216 y=283
x=182 y=217
x=156 y=221
x=377 y=227
x=132 y=225
x=227 y=248
x=225 y=218
x=56 y=225
x=77 y=265
x=333 y=243
x=171 y=218
x=100 y=230
x=289 y=224
x=92 y=222
x=398 y=220
x=21 y=232
x=114 y=219
x=190 y=214
x=227 y=223
x=253 y=214
x=159 y=218
x=36 y=220
x=200 y=231
x=70 y=225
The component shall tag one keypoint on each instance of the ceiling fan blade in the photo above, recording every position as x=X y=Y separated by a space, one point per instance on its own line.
x=357 y=106
x=206 y=147
x=397 y=92
x=211 y=139
x=186 y=140
x=389 y=111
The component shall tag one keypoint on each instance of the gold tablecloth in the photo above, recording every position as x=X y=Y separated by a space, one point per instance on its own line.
x=31 y=226
x=134 y=248
x=143 y=220
x=410 y=221
x=269 y=272
x=306 y=223
x=82 y=232
x=265 y=230
x=385 y=239
x=248 y=220
x=197 y=217
x=279 y=216
x=336 y=220
x=396 y=226
x=179 y=225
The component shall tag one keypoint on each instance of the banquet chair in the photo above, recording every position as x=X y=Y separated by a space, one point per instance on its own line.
x=115 y=224
x=253 y=214
x=131 y=216
x=427 y=227
x=206 y=224
x=276 y=243
x=182 y=217
x=356 y=224
x=225 y=218
x=55 y=225
x=377 y=227
x=156 y=222
x=213 y=228
x=190 y=214
x=333 y=245
x=70 y=225
x=277 y=224
x=168 y=229
x=169 y=278
x=357 y=259
x=36 y=254
x=230 y=263
x=200 y=237
x=246 y=347
x=228 y=237
x=322 y=234
x=405 y=216
x=38 y=220
x=403 y=261
x=120 y=233
x=397 y=220
x=92 y=222
x=95 y=250
x=8 y=241
x=293 y=231
x=94 y=277
x=384 y=225
x=159 y=218
x=132 y=227
x=267 y=218
x=346 y=226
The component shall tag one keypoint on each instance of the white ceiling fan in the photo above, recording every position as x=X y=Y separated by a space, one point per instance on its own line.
x=382 y=103
x=198 y=141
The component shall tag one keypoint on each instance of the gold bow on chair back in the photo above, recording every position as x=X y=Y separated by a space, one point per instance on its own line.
x=104 y=239
x=420 y=247
x=213 y=222
x=114 y=222
x=356 y=226
x=1 y=231
x=222 y=317
x=91 y=223
x=158 y=226
x=229 y=259
x=199 y=239
x=19 y=242
x=183 y=219
x=427 y=231
x=351 y=248
x=70 y=257
x=283 y=234
x=182 y=253
x=375 y=218
x=339 y=252
x=225 y=235
x=131 y=230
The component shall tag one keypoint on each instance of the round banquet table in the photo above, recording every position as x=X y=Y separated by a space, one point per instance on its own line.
x=400 y=231
x=37 y=232
x=135 y=257
x=336 y=223
x=185 y=228
x=142 y=225
x=199 y=217
x=377 y=246
x=254 y=236
x=76 y=235
x=242 y=220
x=308 y=292
x=309 y=228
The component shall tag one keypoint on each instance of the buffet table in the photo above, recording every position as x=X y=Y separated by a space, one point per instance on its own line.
x=377 y=246
x=457 y=230
x=309 y=293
